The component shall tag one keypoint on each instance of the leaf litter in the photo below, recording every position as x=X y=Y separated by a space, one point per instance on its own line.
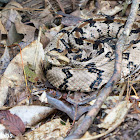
x=27 y=110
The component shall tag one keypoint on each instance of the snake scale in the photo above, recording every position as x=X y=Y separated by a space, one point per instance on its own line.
x=81 y=57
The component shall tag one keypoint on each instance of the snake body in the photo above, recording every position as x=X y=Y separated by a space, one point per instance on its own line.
x=89 y=53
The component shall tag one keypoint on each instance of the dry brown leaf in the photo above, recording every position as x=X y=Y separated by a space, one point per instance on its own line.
x=27 y=30
x=2 y=28
x=13 y=36
x=8 y=18
x=116 y=115
x=12 y=122
x=44 y=40
x=45 y=17
x=13 y=76
x=12 y=22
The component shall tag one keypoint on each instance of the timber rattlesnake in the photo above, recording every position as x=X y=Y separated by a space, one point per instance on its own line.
x=82 y=57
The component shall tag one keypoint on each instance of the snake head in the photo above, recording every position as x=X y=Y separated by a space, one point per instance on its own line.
x=56 y=58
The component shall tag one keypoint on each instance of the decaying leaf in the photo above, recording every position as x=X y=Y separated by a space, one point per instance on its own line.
x=30 y=115
x=86 y=136
x=27 y=30
x=50 y=130
x=116 y=115
x=13 y=36
x=11 y=20
x=43 y=18
x=8 y=17
x=12 y=122
x=13 y=75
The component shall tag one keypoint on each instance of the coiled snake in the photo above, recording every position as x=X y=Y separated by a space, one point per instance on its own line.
x=82 y=58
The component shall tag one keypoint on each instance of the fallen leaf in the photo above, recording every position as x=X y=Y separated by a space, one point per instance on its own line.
x=27 y=30
x=13 y=76
x=8 y=15
x=12 y=122
x=8 y=18
x=11 y=20
x=30 y=115
x=116 y=115
x=44 y=17
x=13 y=36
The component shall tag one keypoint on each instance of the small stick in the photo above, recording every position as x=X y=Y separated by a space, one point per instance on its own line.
x=61 y=6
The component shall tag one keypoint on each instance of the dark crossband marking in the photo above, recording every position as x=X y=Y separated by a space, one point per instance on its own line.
x=68 y=75
x=65 y=43
x=126 y=56
x=97 y=82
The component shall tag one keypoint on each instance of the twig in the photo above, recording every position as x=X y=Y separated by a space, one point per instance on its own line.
x=61 y=6
x=87 y=121
x=22 y=9
x=73 y=113
x=73 y=4
x=122 y=91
